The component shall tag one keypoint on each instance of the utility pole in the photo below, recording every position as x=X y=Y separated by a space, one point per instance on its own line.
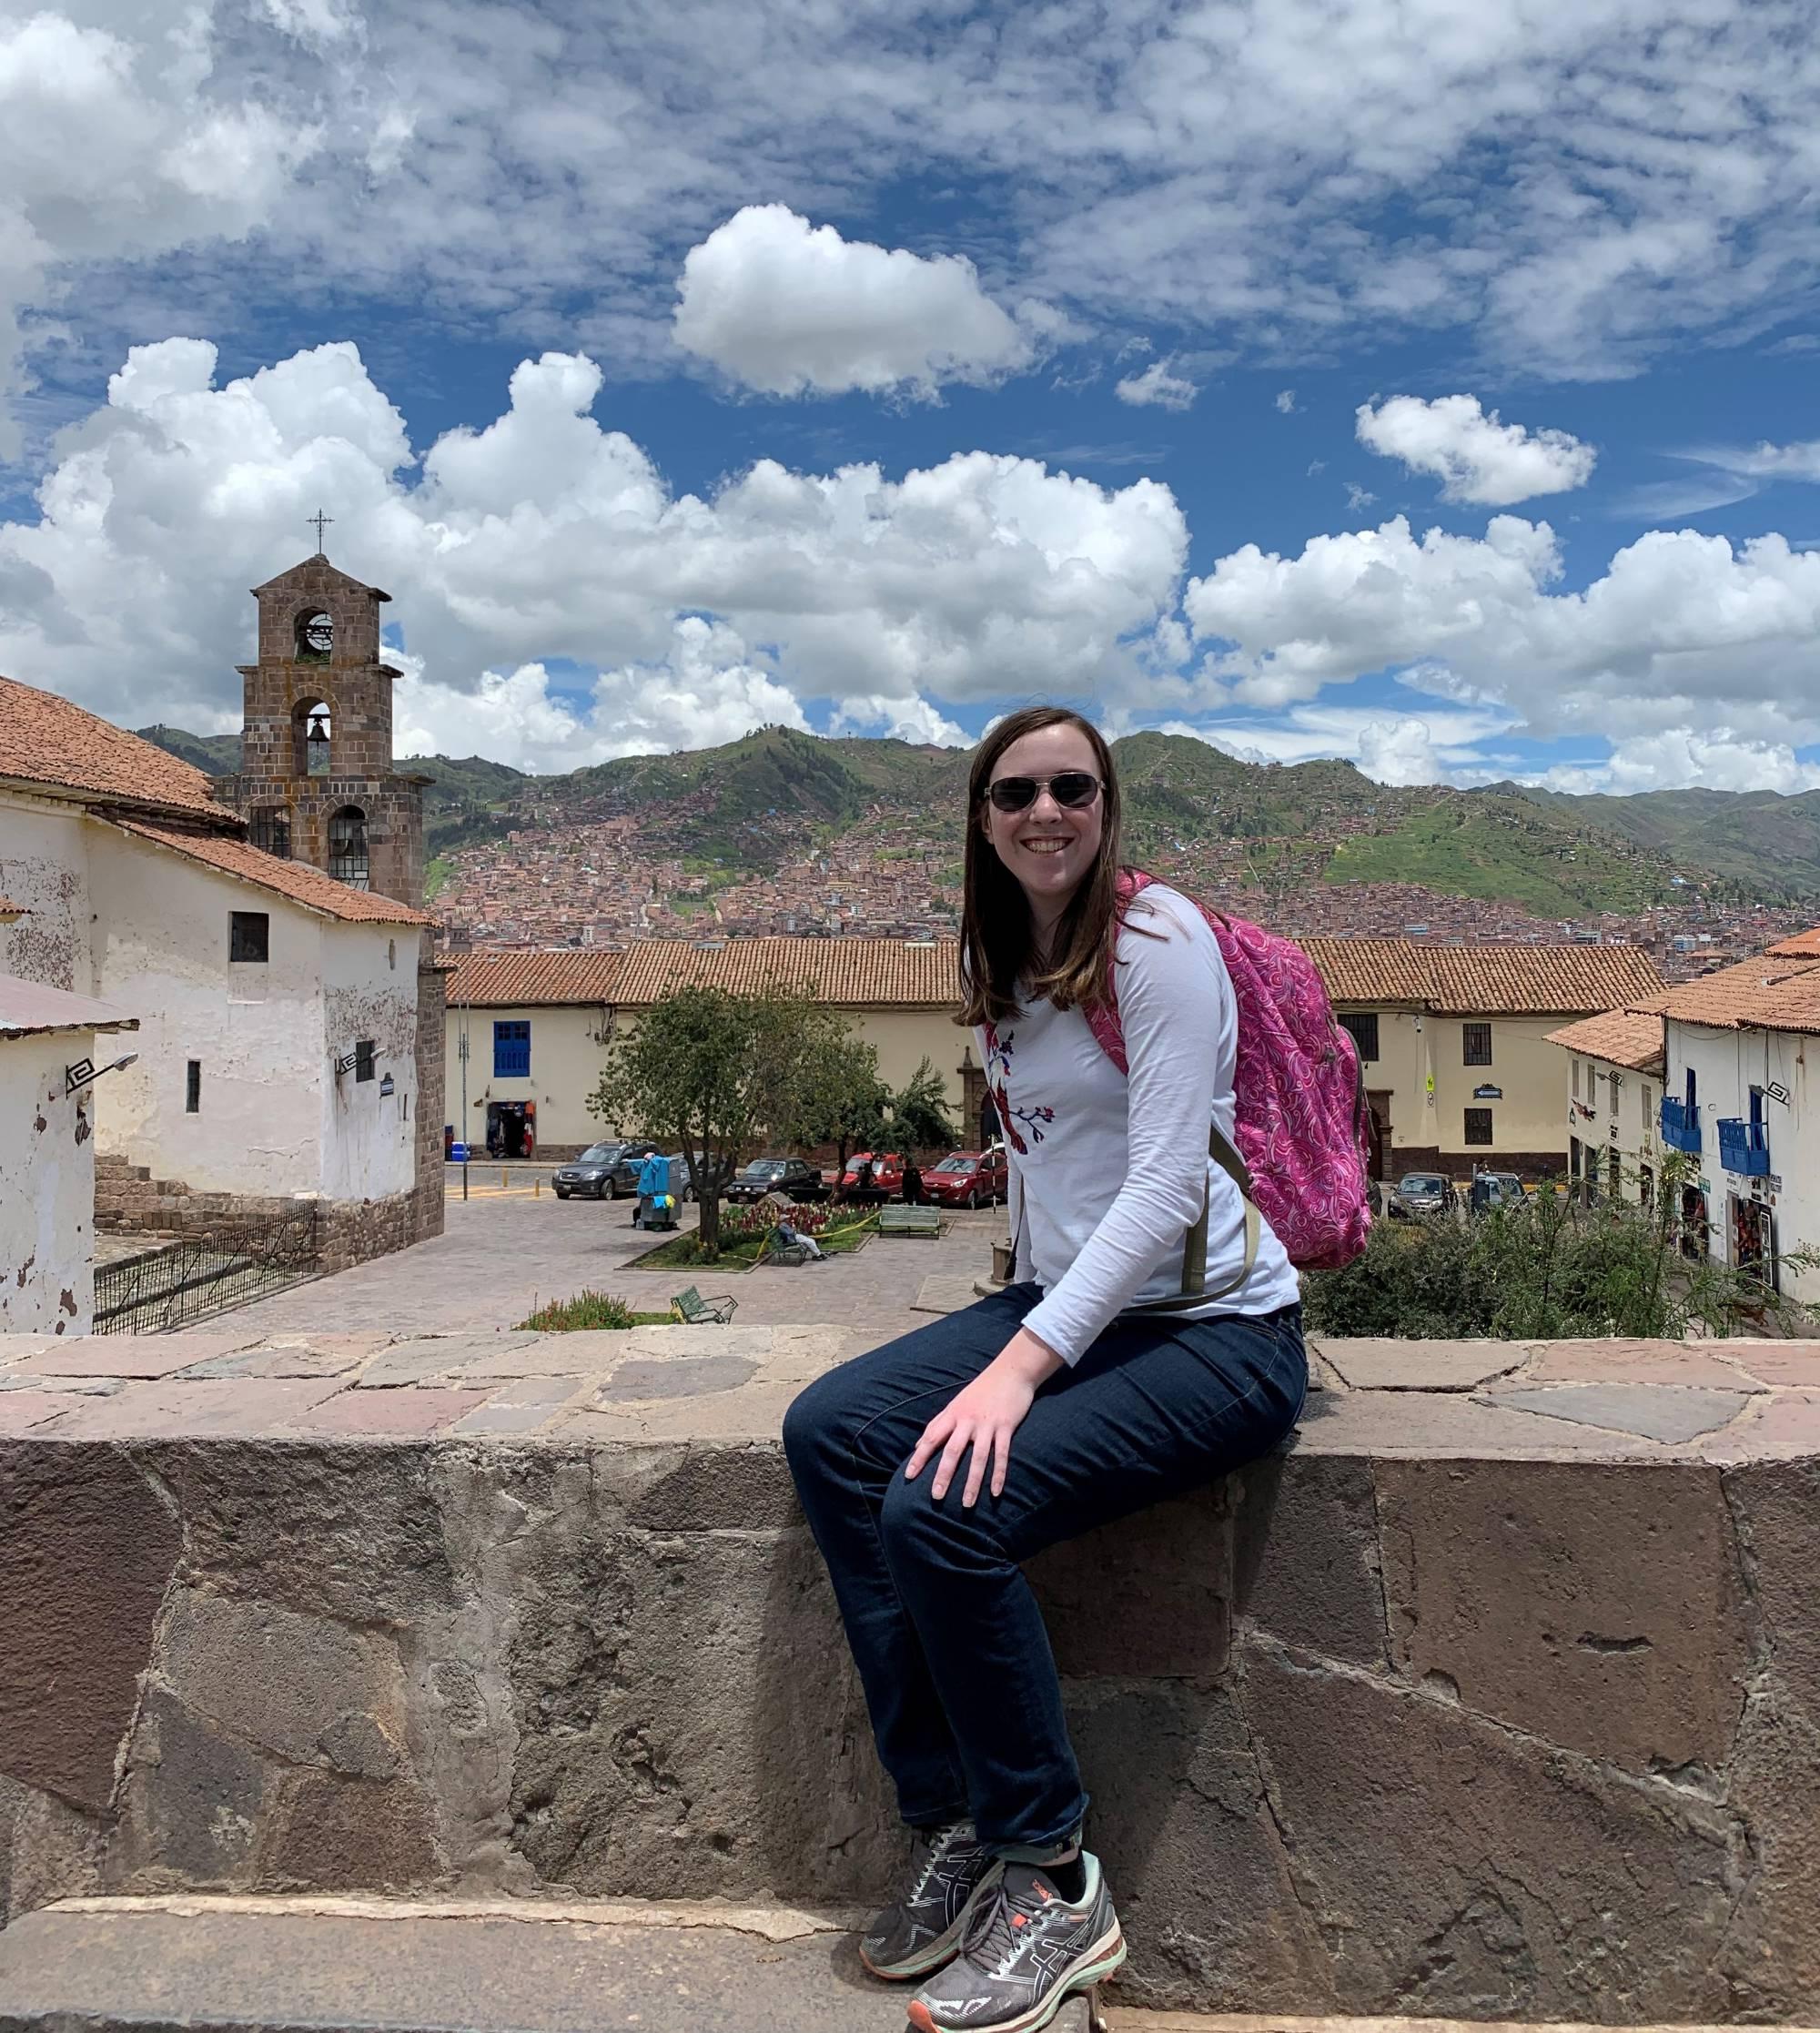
x=462 y=1053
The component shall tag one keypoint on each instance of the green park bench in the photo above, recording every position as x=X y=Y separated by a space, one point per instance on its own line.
x=909 y=1220
x=692 y=1309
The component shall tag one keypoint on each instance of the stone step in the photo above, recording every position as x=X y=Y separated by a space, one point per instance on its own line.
x=193 y=1965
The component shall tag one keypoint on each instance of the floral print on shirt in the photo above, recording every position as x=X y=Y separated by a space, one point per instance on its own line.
x=998 y=1077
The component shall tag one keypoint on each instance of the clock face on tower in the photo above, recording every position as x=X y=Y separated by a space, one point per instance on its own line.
x=318 y=635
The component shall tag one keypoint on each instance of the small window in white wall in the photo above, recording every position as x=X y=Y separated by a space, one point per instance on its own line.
x=249 y=937
x=363 y=1060
x=1576 y=1079
x=192 y=1088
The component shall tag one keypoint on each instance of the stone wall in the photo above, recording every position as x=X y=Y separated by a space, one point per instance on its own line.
x=130 y=1201
x=1496 y=1695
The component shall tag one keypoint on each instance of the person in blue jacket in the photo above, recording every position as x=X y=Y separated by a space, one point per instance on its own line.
x=654 y=1211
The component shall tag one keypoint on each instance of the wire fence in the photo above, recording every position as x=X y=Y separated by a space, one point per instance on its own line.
x=173 y=1283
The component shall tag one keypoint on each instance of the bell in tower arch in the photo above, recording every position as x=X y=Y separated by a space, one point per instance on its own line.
x=316 y=744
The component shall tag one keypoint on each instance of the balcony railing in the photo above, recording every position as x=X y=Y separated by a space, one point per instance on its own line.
x=1744 y=1148
x=1681 y=1126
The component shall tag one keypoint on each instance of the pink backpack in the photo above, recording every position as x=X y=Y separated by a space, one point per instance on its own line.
x=1298 y=1090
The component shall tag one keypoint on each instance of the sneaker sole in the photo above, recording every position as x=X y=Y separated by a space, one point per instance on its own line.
x=940 y=1952
x=1100 y=1961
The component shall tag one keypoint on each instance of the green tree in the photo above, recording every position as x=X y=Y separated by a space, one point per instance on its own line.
x=841 y=1100
x=920 y=1119
x=716 y=1075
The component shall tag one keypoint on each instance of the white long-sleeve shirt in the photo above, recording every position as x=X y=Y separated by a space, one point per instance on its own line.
x=1107 y=1172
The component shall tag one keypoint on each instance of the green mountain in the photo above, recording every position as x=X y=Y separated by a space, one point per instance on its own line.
x=1760 y=840
x=753 y=805
x=216 y=754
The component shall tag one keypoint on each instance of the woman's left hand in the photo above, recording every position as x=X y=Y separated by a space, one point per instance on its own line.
x=982 y=1417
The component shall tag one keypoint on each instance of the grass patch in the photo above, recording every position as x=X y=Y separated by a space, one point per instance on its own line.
x=587 y=1309
x=685 y=1252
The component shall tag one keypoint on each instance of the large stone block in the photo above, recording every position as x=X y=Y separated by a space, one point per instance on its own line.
x=191 y=1809
x=344 y=1531
x=1307 y=1567
x=1148 y=1594
x=334 y=1834
x=1772 y=1953
x=1777 y=1505
x=47 y=1850
x=741 y=1487
x=308 y=1688
x=1456 y=1869
x=85 y=1551
x=1599 y=1606
x=687 y=1719
x=1189 y=1846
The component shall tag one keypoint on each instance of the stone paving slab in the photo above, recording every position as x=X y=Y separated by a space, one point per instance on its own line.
x=133 y=1355
x=150 y=1970
x=1385 y=1365
x=1663 y=1412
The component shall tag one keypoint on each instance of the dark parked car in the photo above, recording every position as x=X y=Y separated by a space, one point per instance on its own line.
x=967 y=1179
x=793 y=1176
x=602 y=1171
x=1490 y=1189
x=680 y=1183
x=1420 y=1193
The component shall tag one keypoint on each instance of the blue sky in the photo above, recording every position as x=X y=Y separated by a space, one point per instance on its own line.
x=1332 y=377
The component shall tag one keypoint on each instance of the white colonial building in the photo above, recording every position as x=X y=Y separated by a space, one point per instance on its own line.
x=47 y=1084
x=278 y=1049
x=1741 y=1097
x=1613 y=1086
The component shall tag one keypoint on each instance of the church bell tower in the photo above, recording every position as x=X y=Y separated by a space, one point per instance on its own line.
x=316 y=783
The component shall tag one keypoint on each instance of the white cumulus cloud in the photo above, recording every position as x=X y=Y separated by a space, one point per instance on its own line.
x=1476 y=456
x=546 y=535
x=792 y=309
x=1679 y=757
x=1681 y=631
x=1157 y=386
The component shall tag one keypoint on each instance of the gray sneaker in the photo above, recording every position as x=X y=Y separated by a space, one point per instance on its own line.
x=924 y=1930
x=1026 y=1953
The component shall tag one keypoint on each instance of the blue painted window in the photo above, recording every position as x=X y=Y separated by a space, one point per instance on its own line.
x=512 y=1051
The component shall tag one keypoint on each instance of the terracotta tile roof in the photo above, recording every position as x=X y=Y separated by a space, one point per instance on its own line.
x=852 y=972
x=1474 y=981
x=46 y=740
x=1486 y=980
x=9 y=910
x=295 y=879
x=1767 y=994
x=1372 y=970
x=1628 y=1038
x=502 y=980
x=1803 y=945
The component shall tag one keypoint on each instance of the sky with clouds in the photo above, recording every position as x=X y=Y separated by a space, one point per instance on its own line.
x=1433 y=386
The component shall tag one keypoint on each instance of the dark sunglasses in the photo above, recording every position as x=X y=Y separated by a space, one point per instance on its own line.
x=1073 y=790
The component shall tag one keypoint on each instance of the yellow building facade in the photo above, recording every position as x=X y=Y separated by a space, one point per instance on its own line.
x=1453 y=1040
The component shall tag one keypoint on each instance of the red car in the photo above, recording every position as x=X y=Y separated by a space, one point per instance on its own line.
x=873 y=1175
x=967 y=1179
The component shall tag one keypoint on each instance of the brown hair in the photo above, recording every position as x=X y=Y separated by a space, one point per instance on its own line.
x=995 y=932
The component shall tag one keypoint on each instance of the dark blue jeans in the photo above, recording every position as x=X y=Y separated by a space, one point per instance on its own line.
x=965 y=1701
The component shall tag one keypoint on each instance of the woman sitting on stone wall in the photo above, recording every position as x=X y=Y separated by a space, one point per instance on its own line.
x=931 y=1468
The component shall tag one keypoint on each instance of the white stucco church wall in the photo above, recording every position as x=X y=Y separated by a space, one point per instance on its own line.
x=47 y=1156
x=44 y=869
x=47 y=1190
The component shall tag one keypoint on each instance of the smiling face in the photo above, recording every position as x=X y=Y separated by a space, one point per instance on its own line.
x=1050 y=848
